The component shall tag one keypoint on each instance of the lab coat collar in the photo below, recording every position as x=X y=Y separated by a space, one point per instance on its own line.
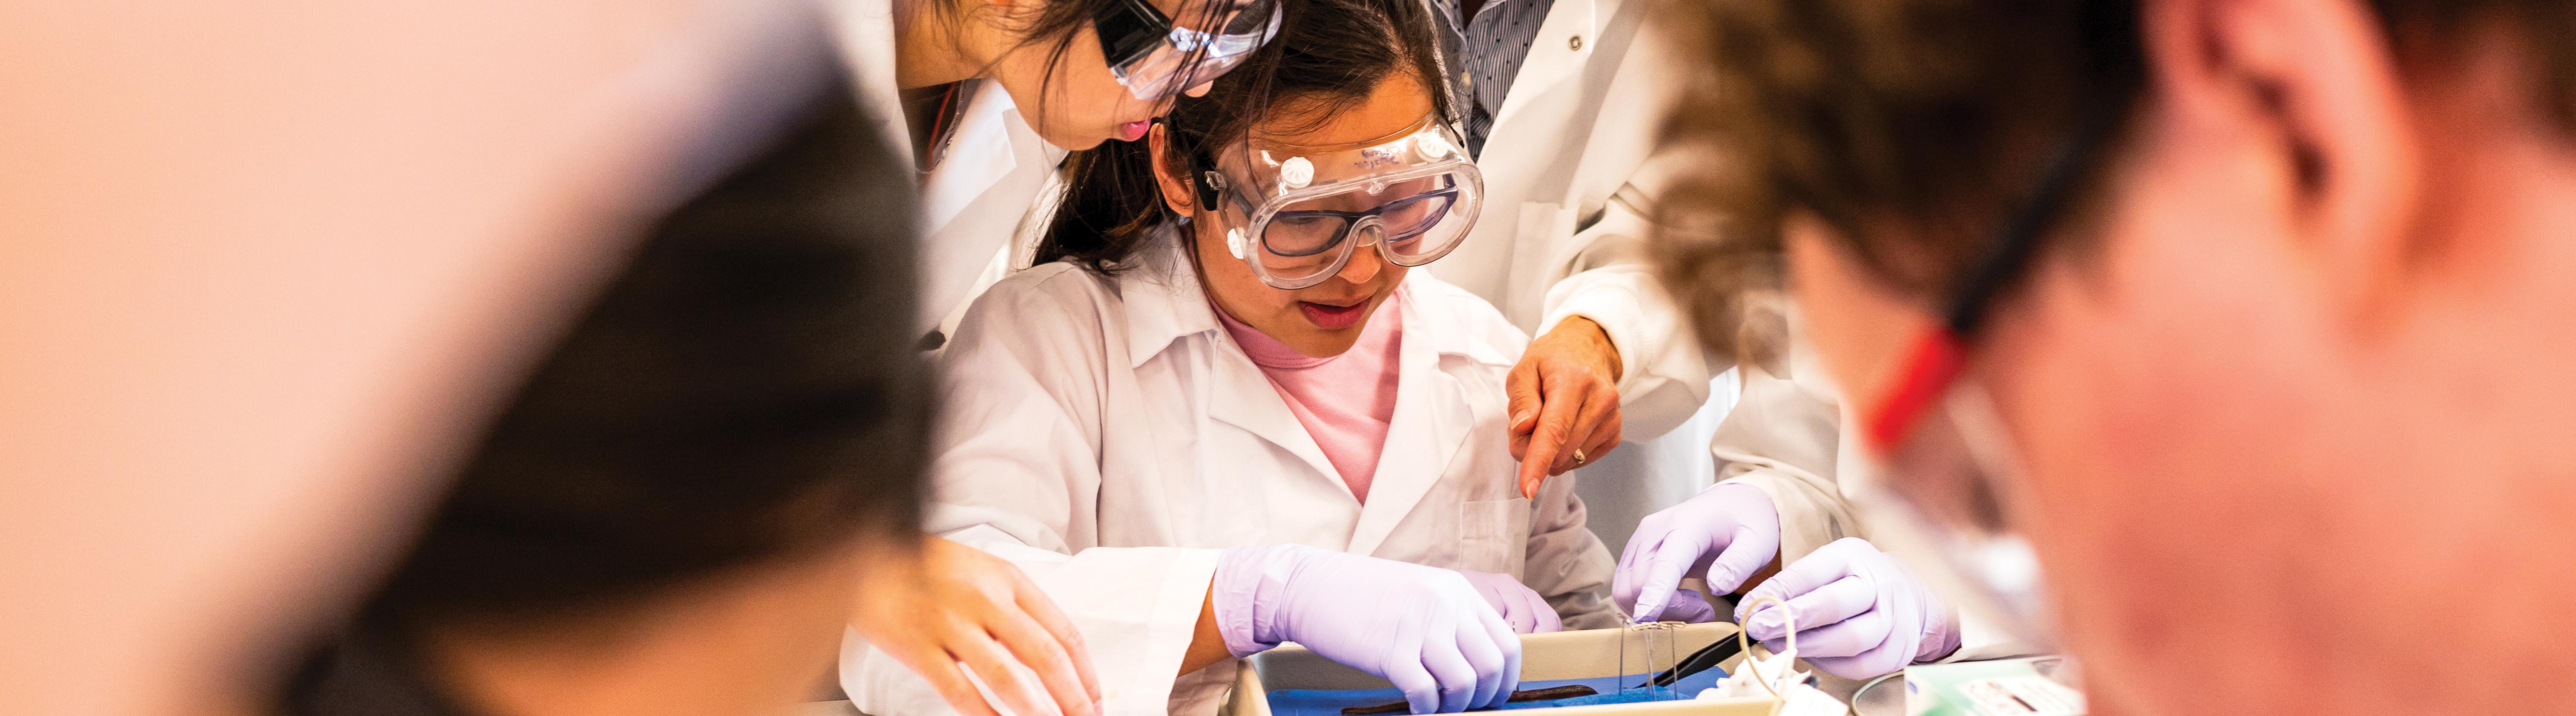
x=990 y=142
x=1552 y=59
x=1165 y=304
x=867 y=42
x=991 y=139
x=1432 y=419
x=1159 y=290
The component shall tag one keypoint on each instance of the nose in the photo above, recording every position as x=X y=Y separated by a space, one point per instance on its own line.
x=1364 y=263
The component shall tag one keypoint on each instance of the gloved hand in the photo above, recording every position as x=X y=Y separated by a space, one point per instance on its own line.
x=1859 y=613
x=1424 y=628
x=1522 y=607
x=1724 y=534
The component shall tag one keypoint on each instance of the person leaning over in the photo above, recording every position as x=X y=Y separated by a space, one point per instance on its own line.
x=2222 y=342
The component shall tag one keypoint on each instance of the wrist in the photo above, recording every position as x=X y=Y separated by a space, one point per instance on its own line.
x=1596 y=344
x=1247 y=591
x=1937 y=646
x=1941 y=637
x=1745 y=494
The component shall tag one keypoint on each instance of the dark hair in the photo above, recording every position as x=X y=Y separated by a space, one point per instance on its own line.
x=1933 y=115
x=1329 y=55
x=1057 y=23
x=742 y=391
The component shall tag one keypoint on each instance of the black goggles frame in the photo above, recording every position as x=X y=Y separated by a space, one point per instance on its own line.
x=1128 y=29
x=1939 y=357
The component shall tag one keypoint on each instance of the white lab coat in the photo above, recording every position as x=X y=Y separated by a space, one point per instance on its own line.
x=1569 y=174
x=1785 y=437
x=1109 y=436
x=981 y=195
x=1570 y=171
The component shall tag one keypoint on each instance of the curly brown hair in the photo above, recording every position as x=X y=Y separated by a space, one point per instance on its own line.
x=1933 y=116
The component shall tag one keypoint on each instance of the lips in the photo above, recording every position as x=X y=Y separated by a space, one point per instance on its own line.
x=1133 y=131
x=1331 y=317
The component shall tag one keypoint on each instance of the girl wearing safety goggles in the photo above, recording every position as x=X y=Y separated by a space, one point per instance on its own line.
x=1078 y=71
x=1222 y=413
x=1296 y=215
x=986 y=95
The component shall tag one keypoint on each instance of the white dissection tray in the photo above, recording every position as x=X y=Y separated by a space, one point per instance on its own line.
x=1544 y=657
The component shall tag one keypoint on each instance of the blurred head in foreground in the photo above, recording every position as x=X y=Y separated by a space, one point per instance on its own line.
x=665 y=518
x=267 y=274
x=2250 y=317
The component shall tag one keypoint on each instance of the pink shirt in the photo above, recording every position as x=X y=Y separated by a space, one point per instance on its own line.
x=1345 y=401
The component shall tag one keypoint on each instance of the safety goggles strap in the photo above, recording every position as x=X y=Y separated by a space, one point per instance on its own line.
x=1209 y=184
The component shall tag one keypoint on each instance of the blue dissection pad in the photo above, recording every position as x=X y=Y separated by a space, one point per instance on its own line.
x=1315 y=702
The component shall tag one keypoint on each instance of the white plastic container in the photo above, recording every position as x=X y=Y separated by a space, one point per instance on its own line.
x=1544 y=657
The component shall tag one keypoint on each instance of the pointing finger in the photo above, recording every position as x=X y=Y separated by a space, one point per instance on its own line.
x=1521 y=393
x=1547 y=441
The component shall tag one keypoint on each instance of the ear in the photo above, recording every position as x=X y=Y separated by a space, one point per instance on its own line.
x=1178 y=193
x=2313 y=81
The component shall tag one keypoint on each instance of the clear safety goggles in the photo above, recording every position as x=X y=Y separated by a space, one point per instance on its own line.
x=1155 y=57
x=1947 y=492
x=1304 y=211
x=1944 y=498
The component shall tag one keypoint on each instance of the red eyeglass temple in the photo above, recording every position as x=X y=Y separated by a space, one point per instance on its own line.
x=1935 y=360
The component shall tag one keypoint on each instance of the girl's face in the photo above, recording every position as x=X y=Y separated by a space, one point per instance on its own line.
x=1078 y=103
x=1325 y=319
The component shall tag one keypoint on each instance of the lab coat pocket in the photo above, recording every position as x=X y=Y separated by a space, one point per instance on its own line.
x=1493 y=535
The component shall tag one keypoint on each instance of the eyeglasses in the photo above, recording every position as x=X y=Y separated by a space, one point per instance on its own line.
x=1155 y=58
x=1949 y=484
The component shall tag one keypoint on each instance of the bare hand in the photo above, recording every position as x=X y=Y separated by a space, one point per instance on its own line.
x=956 y=605
x=1564 y=401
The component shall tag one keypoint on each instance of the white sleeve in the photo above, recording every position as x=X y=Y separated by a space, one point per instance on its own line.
x=1783 y=438
x=1609 y=274
x=1016 y=474
x=1981 y=641
x=1664 y=373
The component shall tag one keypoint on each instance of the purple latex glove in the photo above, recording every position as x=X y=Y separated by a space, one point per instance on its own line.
x=1723 y=535
x=1522 y=607
x=1423 y=628
x=1859 y=613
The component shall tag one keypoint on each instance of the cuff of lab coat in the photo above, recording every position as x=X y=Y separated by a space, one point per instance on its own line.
x=1979 y=640
x=1619 y=314
x=1138 y=608
x=1175 y=623
x=1805 y=524
x=1663 y=378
